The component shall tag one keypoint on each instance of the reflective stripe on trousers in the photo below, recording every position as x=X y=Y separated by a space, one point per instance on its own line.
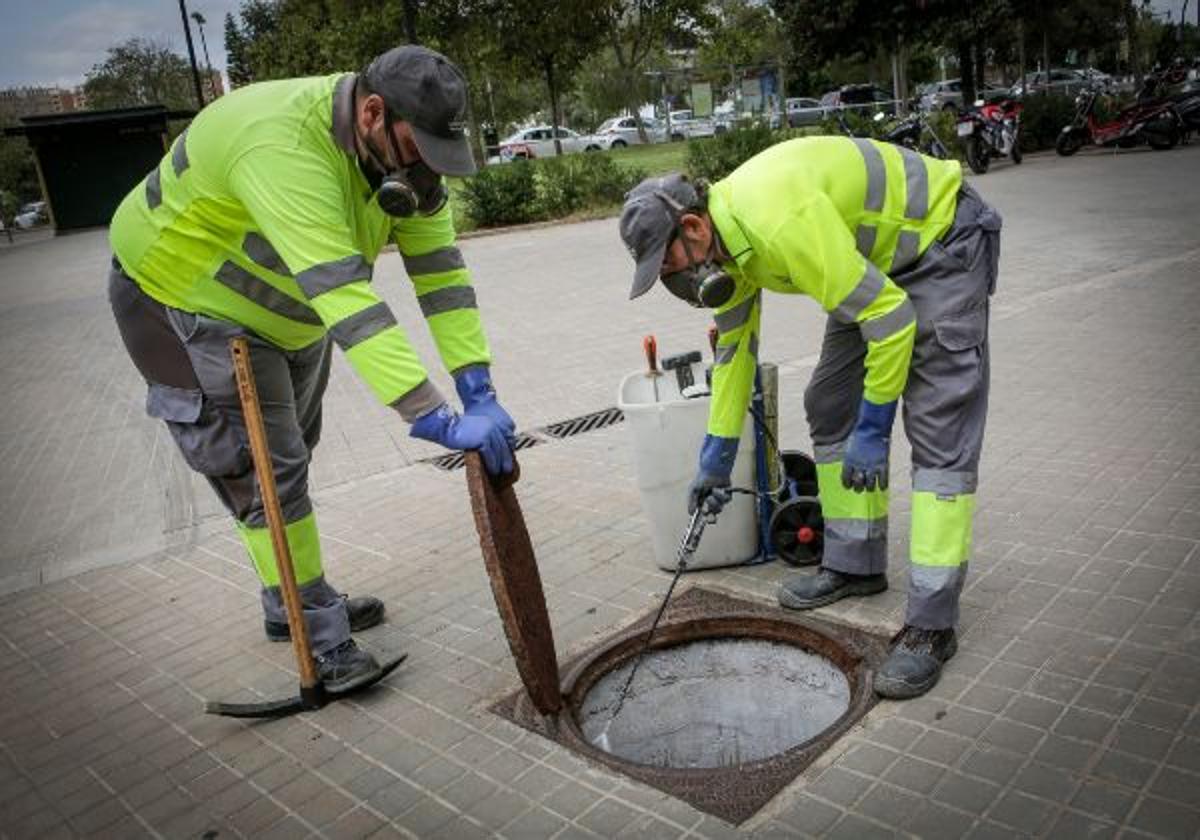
x=944 y=410
x=185 y=361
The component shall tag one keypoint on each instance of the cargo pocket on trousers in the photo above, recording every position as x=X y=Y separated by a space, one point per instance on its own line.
x=205 y=437
x=957 y=368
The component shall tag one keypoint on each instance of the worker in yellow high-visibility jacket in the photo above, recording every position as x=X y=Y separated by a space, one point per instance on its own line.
x=264 y=220
x=903 y=256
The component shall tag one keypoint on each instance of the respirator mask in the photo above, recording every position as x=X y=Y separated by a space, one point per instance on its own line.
x=412 y=189
x=702 y=283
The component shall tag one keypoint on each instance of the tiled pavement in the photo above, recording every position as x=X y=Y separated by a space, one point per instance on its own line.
x=1072 y=708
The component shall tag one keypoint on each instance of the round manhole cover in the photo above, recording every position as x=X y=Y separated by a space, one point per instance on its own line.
x=715 y=703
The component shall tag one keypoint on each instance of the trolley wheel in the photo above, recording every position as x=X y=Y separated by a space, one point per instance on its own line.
x=797 y=531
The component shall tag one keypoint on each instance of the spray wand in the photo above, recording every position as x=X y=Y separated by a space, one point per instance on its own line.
x=687 y=547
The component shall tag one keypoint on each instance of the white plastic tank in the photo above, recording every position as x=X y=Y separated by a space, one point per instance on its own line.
x=667 y=431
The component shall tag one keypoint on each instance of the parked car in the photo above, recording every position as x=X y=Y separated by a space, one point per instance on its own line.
x=947 y=95
x=804 y=111
x=31 y=215
x=538 y=141
x=684 y=126
x=617 y=132
x=1063 y=81
x=868 y=98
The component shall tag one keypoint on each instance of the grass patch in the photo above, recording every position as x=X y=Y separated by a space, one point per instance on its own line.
x=652 y=158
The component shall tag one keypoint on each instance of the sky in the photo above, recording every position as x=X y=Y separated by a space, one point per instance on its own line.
x=55 y=42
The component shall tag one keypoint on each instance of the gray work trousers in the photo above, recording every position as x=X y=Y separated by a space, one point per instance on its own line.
x=186 y=363
x=944 y=404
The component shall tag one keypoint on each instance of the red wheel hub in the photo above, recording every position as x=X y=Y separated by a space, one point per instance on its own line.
x=805 y=535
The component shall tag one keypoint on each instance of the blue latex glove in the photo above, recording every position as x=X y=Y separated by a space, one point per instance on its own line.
x=866 y=463
x=710 y=486
x=474 y=386
x=462 y=431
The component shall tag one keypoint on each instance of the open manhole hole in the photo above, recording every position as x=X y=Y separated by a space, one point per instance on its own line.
x=733 y=701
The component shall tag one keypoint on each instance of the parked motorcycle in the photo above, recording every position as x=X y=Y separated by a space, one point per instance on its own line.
x=1154 y=122
x=991 y=130
x=1179 y=86
x=914 y=132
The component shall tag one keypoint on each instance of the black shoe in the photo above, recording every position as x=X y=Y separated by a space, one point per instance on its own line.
x=365 y=613
x=807 y=592
x=347 y=666
x=915 y=663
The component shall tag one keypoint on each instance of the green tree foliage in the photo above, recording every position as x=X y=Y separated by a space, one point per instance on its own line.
x=18 y=176
x=140 y=72
x=637 y=32
x=237 y=65
x=550 y=38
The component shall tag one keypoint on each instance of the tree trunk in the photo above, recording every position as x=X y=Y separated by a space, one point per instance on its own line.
x=631 y=101
x=1021 y=51
x=548 y=64
x=966 y=71
x=410 y=21
x=1135 y=54
x=1045 y=51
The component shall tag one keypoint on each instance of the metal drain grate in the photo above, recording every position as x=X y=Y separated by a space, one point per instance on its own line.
x=525 y=440
x=455 y=460
x=586 y=423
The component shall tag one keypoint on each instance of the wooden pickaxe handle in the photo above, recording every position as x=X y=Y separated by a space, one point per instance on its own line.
x=239 y=348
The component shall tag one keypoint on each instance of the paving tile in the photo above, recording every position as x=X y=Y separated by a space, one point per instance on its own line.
x=965 y=793
x=1104 y=800
x=607 y=817
x=1024 y=813
x=1163 y=818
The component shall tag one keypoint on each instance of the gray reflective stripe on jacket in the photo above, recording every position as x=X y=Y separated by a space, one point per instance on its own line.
x=362 y=325
x=861 y=296
x=435 y=262
x=726 y=352
x=263 y=254
x=179 y=156
x=233 y=276
x=888 y=324
x=153 y=189
x=326 y=277
x=447 y=299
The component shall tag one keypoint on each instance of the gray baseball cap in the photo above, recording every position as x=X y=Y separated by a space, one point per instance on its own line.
x=649 y=221
x=426 y=90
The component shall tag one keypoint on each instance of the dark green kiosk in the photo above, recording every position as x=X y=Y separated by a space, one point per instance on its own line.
x=88 y=160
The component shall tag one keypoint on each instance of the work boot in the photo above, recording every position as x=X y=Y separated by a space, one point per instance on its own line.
x=365 y=612
x=347 y=666
x=915 y=663
x=807 y=592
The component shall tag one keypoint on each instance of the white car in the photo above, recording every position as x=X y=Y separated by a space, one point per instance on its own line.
x=804 y=110
x=684 y=126
x=538 y=142
x=31 y=215
x=617 y=132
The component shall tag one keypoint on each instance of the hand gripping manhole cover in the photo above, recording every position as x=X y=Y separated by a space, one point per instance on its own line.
x=733 y=700
x=516 y=584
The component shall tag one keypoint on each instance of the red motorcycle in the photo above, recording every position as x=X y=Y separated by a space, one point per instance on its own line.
x=991 y=130
x=1155 y=122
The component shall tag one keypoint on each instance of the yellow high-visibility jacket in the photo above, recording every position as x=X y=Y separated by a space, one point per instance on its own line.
x=828 y=217
x=260 y=215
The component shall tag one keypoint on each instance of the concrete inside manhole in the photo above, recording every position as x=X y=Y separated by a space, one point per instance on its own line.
x=698 y=624
x=715 y=703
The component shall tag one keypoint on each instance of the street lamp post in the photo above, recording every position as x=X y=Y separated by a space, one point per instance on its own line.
x=187 y=31
x=200 y=21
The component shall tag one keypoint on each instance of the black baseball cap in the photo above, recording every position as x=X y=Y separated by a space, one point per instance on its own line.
x=426 y=90
x=648 y=222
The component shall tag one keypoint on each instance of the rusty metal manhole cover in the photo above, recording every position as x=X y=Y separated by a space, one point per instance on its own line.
x=711 y=745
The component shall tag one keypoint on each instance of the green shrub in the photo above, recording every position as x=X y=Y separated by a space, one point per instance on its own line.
x=550 y=188
x=501 y=195
x=712 y=158
x=1042 y=118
